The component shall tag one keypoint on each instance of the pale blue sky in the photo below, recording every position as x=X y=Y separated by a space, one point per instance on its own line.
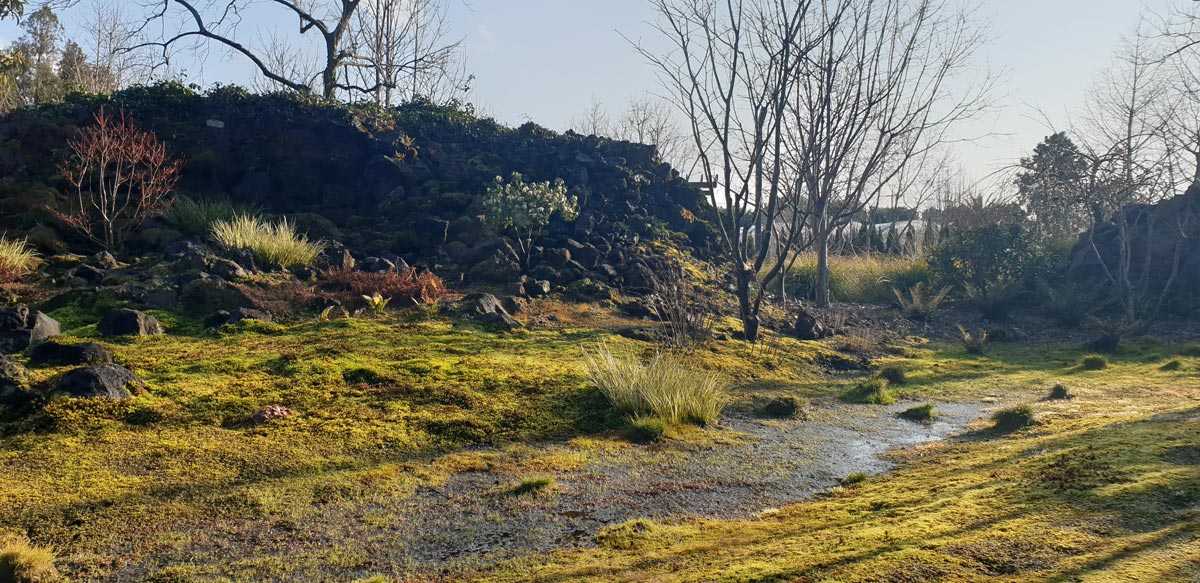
x=546 y=60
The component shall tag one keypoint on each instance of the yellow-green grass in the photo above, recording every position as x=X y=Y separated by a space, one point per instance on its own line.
x=273 y=244
x=861 y=278
x=16 y=259
x=1105 y=488
x=383 y=406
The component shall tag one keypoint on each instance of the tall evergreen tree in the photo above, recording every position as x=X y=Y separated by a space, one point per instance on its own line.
x=39 y=83
x=1051 y=186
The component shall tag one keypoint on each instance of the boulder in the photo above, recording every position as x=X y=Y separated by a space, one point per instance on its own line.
x=538 y=288
x=102 y=381
x=126 y=322
x=807 y=327
x=226 y=269
x=376 y=265
x=21 y=328
x=494 y=269
x=14 y=383
x=57 y=354
x=223 y=317
x=487 y=310
x=206 y=295
x=87 y=274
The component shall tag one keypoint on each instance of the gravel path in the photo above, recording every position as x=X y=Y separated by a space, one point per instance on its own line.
x=471 y=521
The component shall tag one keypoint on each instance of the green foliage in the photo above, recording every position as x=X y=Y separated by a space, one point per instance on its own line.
x=973 y=343
x=273 y=244
x=785 y=407
x=646 y=429
x=894 y=374
x=1068 y=304
x=16 y=259
x=873 y=391
x=195 y=217
x=1192 y=350
x=921 y=413
x=984 y=255
x=666 y=386
x=525 y=208
x=634 y=535
x=21 y=562
x=1051 y=185
x=533 y=485
x=1014 y=418
x=1171 y=365
x=859 y=279
x=853 y=479
x=995 y=300
x=377 y=304
x=1060 y=392
x=918 y=305
x=1094 y=362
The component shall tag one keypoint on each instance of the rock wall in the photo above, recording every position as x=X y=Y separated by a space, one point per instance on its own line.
x=399 y=183
x=1155 y=234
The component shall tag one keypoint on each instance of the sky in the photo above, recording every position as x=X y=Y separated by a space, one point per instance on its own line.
x=547 y=60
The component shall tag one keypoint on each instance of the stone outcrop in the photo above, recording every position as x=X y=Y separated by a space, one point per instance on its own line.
x=21 y=328
x=1165 y=232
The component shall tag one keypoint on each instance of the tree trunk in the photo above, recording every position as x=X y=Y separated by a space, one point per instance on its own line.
x=745 y=305
x=822 y=245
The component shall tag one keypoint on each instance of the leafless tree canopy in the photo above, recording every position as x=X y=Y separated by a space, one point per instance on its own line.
x=383 y=49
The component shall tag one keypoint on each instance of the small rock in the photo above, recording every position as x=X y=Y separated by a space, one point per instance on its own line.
x=126 y=322
x=106 y=260
x=21 y=328
x=808 y=327
x=782 y=407
x=376 y=265
x=87 y=273
x=270 y=413
x=226 y=269
x=54 y=353
x=14 y=383
x=223 y=317
x=486 y=309
x=536 y=289
x=103 y=381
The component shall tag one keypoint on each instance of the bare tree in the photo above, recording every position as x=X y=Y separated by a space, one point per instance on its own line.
x=594 y=121
x=730 y=72
x=1134 y=132
x=871 y=100
x=648 y=120
x=334 y=25
x=405 y=54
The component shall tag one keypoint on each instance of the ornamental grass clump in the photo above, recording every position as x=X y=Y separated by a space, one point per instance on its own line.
x=21 y=562
x=16 y=259
x=665 y=386
x=273 y=244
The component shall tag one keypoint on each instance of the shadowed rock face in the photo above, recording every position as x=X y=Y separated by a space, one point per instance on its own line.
x=1159 y=232
x=103 y=381
x=21 y=328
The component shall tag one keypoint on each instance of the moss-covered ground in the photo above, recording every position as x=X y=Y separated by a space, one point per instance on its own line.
x=178 y=485
x=1106 y=487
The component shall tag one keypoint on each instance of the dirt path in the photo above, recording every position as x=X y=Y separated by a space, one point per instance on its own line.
x=473 y=521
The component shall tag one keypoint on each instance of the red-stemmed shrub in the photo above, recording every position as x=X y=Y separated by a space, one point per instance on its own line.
x=119 y=176
x=406 y=288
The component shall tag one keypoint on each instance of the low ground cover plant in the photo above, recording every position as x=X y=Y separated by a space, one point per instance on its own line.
x=1014 y=418
x=406 y=288
x=917 y=304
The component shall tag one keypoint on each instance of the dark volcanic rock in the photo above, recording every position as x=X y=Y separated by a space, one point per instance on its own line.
x=126 y=322
x=21 y=328
x=486 y=309
x=102 y=381
x=808 y=327
x=14 y=383
x=222 y=317
x=54 y=353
